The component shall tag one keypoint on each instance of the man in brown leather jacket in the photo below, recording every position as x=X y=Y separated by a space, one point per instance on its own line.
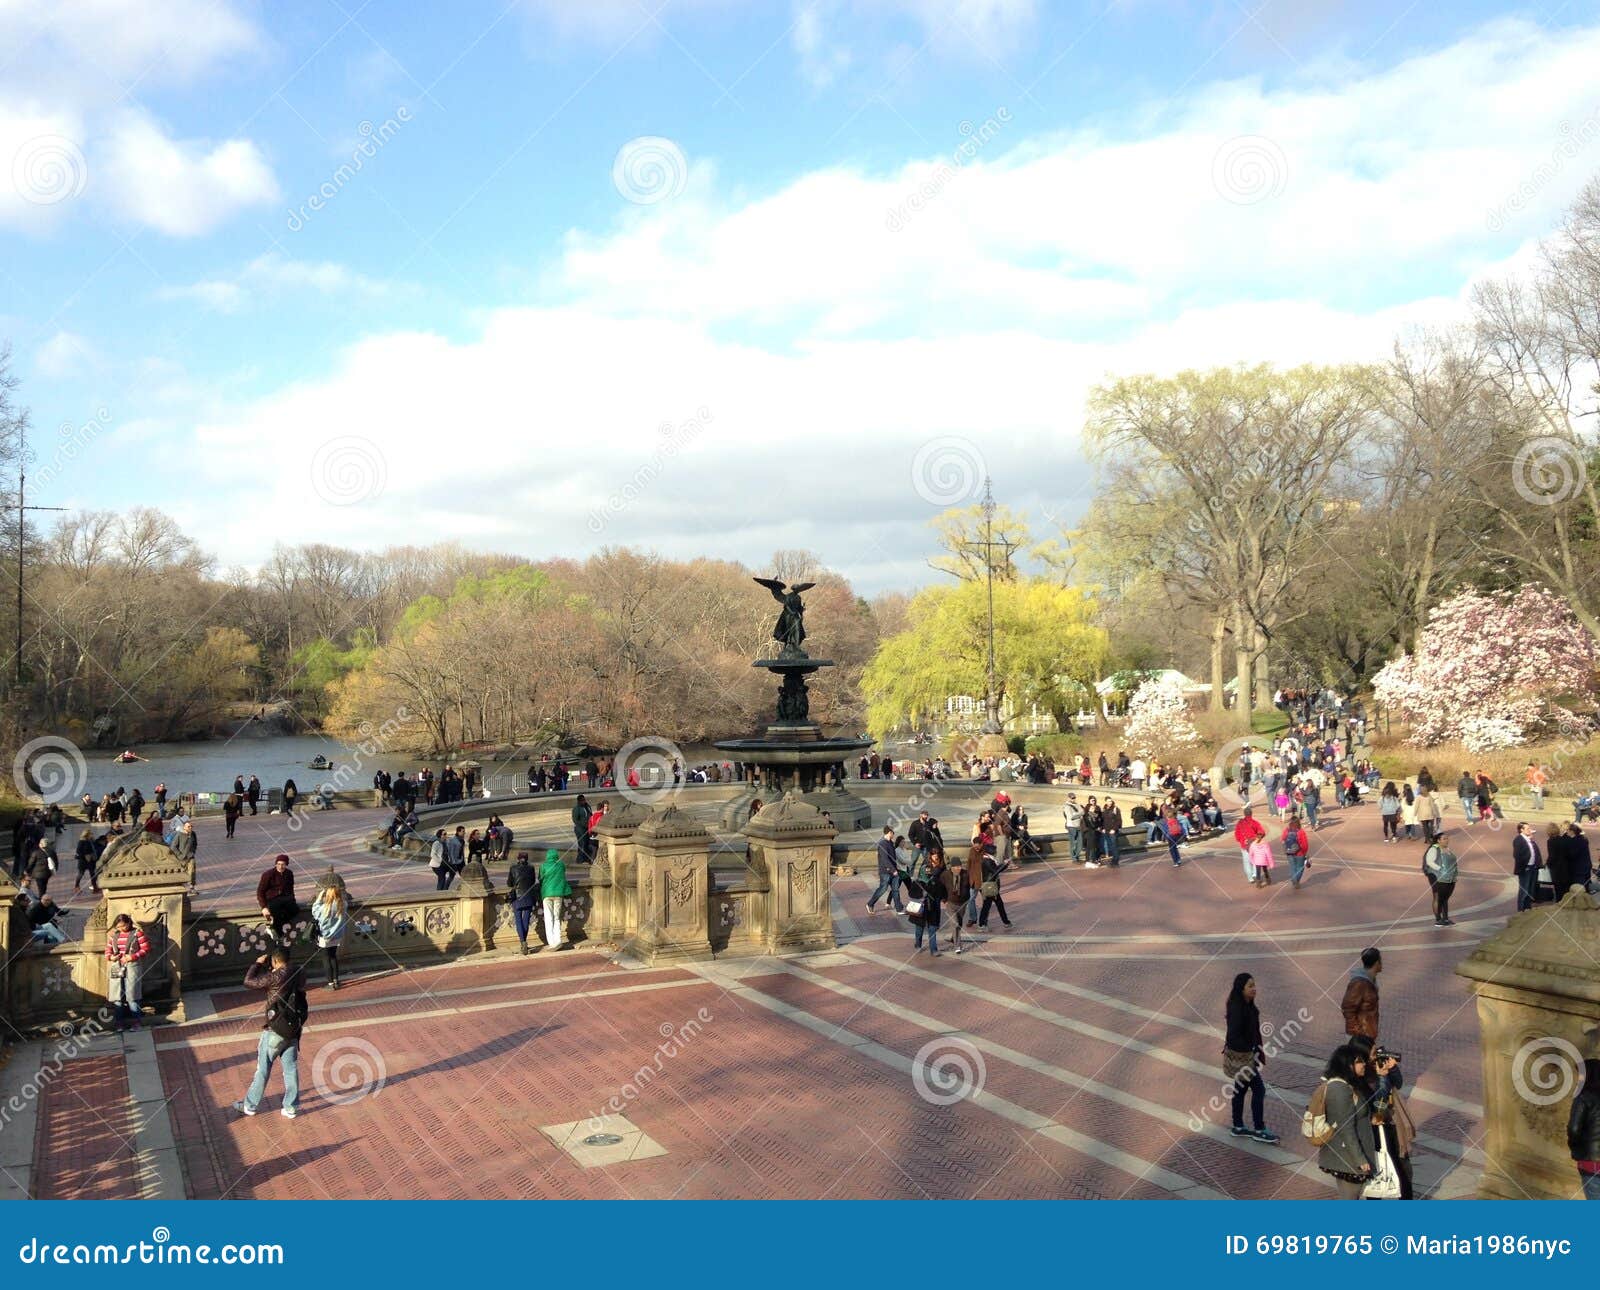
x=1360 y=1002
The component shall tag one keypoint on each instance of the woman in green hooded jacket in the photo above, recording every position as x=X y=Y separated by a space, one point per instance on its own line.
x=555 y=888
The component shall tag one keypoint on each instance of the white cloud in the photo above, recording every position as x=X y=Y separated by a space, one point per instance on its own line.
x=273 y=275
x=829 y=348
x=826 y=34
x=63 y=355
x=67 y=135
x=180 y=187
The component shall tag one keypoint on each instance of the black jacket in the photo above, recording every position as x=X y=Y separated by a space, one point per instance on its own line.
x=1244 y=1026
x=1583 y=1125
x=931 y=893
x=523 y=882
x=1524 y=852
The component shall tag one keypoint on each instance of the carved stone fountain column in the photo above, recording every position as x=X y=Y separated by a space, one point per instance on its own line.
x=673 y=866
x=616 y=864
x=790 y=844
x=1538 y=989
x=145 y=880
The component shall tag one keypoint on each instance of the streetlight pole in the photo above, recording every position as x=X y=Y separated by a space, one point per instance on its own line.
x=991 y=725
x=22 y=541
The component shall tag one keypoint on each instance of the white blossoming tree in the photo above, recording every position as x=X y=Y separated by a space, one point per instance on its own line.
x=1492 y=670
x=1158 y=720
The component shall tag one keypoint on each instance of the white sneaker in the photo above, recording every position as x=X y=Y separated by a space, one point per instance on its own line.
x=288 y=1113
x=1091 y=864
x=244 y=1108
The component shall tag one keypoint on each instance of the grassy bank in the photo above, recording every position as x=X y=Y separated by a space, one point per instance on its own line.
x=1573 y=768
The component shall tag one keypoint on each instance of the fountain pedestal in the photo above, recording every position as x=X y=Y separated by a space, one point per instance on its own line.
x=793 y=756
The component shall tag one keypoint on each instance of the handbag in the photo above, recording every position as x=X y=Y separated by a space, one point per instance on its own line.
x=915 y=906
x=990 y=888
x=1385 y=1181
x=1234 y=1061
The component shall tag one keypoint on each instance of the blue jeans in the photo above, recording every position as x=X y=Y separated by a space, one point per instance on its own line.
x=1110 y=847
x=1527 y=887
x=524 y=917
x=1172 y=850
x=1075 y=841
x=1311 y=809
x=889 y=882
x=271 y=1048
x=1591 y=1186
x=933 y=937
x=1297 y=868
x=1469 y=808
x=49 y=934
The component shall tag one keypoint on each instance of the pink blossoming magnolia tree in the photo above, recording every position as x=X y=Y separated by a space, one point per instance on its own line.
x=1492 y=670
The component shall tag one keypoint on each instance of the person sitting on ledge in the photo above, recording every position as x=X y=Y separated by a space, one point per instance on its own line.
x=275 y=896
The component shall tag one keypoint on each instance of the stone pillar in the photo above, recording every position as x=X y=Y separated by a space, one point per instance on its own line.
x=790 y=845
x=475 y=907
x=616 y=888
x=1538 y=991
x=673 y=864
x=12 y=932
x=144 y=879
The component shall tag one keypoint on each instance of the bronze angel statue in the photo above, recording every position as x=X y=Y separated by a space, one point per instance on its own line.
x=790 y=629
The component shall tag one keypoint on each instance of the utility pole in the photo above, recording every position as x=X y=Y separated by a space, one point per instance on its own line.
x=991 y=724
x=22 y=540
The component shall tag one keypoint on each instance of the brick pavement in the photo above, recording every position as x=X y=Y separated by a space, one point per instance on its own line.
x=1084 y=1045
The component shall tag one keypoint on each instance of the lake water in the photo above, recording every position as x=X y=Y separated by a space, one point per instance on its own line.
x=210 y=766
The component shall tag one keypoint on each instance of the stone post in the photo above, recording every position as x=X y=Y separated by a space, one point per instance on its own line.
x=475 y=913
x=1538 y=991
x=146 y=880
x=790 y=845
x=12 y=932
x=615 y=878
x=673 y=864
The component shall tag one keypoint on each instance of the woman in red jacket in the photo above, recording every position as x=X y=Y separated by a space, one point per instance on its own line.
x=126 y=949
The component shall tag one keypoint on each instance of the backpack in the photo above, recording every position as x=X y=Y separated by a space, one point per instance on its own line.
x=1174 y=829
x=1432 y=853
x=1291 y=843
x=1314 y=1125
x=288 y=1012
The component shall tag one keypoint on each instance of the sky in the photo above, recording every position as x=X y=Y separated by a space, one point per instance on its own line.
x=714 y=277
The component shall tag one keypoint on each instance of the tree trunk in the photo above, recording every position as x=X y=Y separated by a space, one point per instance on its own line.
x=1219 y=633
x=1263 y=693
x=1241 y=665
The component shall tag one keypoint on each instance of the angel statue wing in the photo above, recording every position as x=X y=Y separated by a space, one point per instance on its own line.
x=774 y=585
x=802 y=586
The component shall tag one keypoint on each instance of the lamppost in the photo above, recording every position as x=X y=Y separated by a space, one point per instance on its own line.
x=992 y=737
x=23 y=508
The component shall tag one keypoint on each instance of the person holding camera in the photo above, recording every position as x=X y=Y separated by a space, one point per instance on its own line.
x=285 y=1019
x=1395 y=1128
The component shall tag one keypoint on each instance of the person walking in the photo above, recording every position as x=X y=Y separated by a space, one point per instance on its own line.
x=522 y=882
x=1171 y=833
x=1297 y=846
x=1245 y=832
x=888 y=872
x=283 y=1024
x=232 y=809
x=554 y=890
x=1583 y=1130
x=41 y=866
x=330 y=913
x=1439 y=863
x=1429 y=816
x=990 y=888
x=1351 y=1153
x=1389 y=812
x=85 y=855
x=923 y=908
x=1360 y=1002
x=252 y=793
x=1261 y=861
x=1408 y=811
x=1484 y=790
x=275 y=896
x=1467 y=792
x=439 y=862
x=291 y=794
x=126 y=950
x=1525 y=863
x=1243 y=1057
x=957 y=894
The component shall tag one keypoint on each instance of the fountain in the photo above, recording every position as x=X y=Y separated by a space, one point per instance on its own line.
x=793 y=755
